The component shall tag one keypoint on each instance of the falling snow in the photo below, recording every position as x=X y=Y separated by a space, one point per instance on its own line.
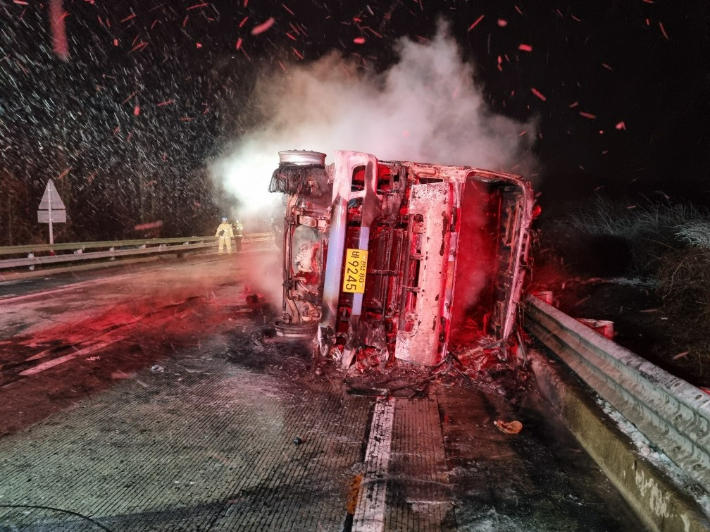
x=138 y=99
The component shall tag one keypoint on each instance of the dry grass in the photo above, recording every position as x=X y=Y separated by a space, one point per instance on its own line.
x=684 y=285
x=695 y=233
x=671 y=245
x=652 y=230
x=685 y=276
x=606 y=217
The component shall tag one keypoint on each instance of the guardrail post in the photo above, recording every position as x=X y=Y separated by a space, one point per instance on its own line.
x=31 y=256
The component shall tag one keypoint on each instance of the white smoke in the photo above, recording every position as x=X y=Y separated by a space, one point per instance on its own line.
x=425 y=108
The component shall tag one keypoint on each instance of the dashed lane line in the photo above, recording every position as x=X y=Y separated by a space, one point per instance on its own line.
x=56 y=361
x=371 y=505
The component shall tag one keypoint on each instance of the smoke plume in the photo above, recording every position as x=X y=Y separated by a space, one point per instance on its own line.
x=425 y=108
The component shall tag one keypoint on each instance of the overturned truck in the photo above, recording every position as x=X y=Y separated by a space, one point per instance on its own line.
x=399 y=261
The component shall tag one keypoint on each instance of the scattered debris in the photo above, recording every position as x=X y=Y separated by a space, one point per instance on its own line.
x=157 y=369
x=508 y=427
x=258 y=346
x=297 y=441
x=354 y=493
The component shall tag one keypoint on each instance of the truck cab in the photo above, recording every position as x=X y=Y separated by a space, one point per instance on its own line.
x=399 y=261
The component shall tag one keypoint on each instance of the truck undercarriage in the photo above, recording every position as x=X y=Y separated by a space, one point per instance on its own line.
x=400 y=261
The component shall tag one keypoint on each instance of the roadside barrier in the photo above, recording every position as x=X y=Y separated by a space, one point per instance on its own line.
x=673 y=414
x=44 y=254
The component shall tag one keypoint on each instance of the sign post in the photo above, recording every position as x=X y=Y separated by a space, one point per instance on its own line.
x=51 y=209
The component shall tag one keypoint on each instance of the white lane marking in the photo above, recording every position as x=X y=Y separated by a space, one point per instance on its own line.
x=49 y=352
x=61 y=360
x=371 y=504
x=96 y=343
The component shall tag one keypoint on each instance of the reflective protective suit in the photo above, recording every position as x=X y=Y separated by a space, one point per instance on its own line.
x=225 y=234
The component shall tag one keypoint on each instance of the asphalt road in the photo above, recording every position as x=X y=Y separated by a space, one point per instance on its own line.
x=151 y=400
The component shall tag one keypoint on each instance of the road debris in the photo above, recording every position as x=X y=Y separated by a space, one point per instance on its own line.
x=508 y=427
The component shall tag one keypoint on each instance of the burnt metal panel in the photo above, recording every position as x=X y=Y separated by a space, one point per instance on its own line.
x=420 y=324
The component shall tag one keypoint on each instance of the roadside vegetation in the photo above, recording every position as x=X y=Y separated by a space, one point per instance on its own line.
x=111 y=206
x=651 y=231
x=664 y=247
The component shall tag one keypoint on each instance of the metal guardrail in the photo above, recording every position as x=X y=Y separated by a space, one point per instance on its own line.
x=73 y=246
x=111 y=249
x=673 y=414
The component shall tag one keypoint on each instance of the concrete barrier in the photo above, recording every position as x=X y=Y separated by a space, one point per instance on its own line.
x=664 y=411
x=664 y=503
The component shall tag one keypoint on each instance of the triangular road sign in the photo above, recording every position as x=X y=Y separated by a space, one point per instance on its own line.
x=51 y=193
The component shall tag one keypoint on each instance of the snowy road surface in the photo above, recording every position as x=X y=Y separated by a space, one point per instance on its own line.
x=151 y=401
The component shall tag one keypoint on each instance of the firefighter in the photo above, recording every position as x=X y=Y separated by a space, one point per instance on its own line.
x=225 y=234
x=238 y=234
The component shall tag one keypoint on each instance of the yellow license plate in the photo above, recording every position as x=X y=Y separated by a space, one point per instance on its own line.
x=355 y=271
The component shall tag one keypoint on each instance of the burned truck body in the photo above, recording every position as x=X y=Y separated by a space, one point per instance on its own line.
x=398 y=260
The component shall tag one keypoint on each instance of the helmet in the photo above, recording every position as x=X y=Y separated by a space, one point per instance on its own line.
x=224 y=218
x=237 y=221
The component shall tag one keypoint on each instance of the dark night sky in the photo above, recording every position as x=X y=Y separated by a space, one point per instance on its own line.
x=154 y=88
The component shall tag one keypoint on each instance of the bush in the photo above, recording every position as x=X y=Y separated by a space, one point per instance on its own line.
x=695 y=233
x=651 y=230
x=671 y=245
x=684 y=286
